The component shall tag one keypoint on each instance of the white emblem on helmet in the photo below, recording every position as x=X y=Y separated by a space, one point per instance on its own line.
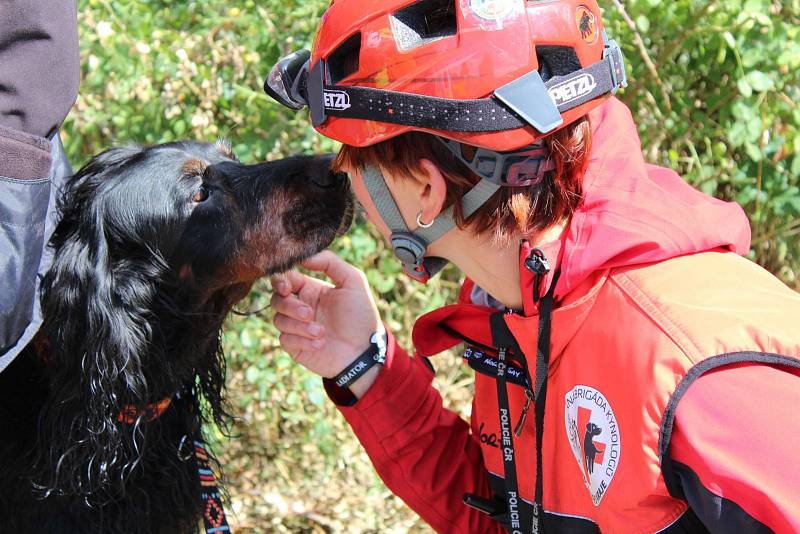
x=493 y=10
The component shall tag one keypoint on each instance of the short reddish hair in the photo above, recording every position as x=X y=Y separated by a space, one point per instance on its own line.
x=512 y=210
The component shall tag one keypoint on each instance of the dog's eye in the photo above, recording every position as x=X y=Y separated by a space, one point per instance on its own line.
x=201 y=194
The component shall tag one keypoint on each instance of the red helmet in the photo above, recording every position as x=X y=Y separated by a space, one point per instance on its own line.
x=498 y=74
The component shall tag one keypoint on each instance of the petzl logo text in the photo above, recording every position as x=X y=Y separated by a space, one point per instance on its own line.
x=572 y=89
x=594 y=437
x=336 y=100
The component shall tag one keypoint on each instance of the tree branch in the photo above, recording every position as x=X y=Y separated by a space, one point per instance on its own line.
x=637 y=38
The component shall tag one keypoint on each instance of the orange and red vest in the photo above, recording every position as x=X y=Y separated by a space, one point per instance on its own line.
x=623 y=351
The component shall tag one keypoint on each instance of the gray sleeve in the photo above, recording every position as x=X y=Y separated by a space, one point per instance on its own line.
x=32 y=172
x=39 y=64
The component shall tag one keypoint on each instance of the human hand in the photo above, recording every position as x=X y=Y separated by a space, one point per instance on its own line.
x=324 y=327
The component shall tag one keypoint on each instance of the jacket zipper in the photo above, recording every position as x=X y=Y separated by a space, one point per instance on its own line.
x=537 y=263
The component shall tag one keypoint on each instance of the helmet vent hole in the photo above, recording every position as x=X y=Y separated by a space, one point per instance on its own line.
x=423 y=22
x=344 y=60
x=557 y=61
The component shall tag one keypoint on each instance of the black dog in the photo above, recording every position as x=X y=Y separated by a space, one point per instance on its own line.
x=154 y=246
x=589 y=449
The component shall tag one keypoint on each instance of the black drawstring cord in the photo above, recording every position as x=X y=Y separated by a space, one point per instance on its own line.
x=540 y=394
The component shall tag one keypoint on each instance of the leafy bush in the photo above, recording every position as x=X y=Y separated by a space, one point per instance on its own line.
x=714 y=89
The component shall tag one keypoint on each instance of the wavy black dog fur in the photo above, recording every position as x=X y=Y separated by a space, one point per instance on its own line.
x=153 y=248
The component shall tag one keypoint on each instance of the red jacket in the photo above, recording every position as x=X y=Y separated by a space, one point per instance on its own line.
x=673 y=373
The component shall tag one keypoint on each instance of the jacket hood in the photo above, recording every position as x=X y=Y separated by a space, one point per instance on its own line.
x=632 y=214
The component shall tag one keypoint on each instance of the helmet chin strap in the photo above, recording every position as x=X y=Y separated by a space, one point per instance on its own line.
x=410 y=246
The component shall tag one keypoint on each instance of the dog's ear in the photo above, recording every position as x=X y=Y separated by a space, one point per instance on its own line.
x=97 y=319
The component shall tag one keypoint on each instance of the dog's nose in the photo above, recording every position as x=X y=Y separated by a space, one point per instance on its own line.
x=326 y=179
x=322 y=176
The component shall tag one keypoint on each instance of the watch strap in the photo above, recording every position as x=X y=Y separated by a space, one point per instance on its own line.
x=375 y=353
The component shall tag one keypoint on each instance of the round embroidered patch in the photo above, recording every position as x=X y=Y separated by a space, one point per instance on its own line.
x=493 y=10
x=587 y=24
x=594 y=436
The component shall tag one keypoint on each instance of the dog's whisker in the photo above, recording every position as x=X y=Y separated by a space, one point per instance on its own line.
x=249 y=313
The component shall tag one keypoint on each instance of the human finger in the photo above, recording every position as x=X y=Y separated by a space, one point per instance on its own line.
x=335 y=268
x=292 y=307
x=287 y=325
x=290 y=282
x=280 y=284
x=306 y=287
x=296 y=344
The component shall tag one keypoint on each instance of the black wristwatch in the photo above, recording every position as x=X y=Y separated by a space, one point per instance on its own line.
x=375 y=353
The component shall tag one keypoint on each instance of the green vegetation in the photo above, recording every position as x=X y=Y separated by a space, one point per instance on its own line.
x=714 y=89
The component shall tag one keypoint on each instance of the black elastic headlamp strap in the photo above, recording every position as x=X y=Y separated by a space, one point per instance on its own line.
x=526 y=101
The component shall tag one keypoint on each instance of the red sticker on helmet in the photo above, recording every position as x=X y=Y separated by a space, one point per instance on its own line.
x=587 y=24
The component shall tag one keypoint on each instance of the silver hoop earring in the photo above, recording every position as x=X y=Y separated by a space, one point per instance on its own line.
x=422 y=224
